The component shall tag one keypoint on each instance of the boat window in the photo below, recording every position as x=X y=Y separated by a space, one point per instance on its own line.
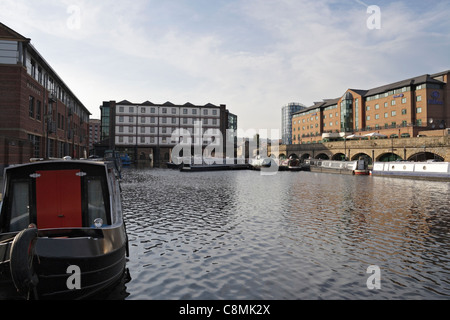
x=96 y=204
x=20 y=207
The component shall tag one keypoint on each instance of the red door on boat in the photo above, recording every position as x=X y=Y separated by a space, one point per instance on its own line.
x=58 y=199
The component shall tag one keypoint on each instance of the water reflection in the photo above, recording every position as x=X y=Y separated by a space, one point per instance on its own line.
x=303 y=235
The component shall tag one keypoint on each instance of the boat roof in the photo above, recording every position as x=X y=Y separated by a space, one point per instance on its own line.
x=51 y=163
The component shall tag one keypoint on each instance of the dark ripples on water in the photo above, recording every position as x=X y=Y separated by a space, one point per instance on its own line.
x=302 y=235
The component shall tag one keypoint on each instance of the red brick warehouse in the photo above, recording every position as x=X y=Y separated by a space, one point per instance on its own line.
x=40 y=116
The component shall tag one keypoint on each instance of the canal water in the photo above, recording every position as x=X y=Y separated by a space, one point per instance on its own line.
x=294 y=235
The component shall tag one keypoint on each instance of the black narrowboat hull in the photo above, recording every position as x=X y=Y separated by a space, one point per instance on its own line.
x=100 y=263
x=96 y=274
x=62 y=233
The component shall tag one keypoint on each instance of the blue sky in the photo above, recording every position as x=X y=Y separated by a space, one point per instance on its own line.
x=252 y=55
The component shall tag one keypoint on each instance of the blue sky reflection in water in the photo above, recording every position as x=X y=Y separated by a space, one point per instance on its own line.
x=240 y=235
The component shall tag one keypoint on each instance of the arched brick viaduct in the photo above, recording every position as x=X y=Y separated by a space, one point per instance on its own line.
x=376 y=149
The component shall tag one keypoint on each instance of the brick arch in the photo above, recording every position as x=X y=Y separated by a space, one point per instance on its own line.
x=337 y=156
x=428 y=155
x=305 y=156
x=362 y=155
x=323 y=155
x=438 y=154
x=385 y=154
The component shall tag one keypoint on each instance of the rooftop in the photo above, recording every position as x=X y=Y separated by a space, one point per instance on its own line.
x=385 y=88
x=7 y=34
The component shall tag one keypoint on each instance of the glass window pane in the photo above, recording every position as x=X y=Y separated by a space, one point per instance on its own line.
x=96 y=205
x=20 y=206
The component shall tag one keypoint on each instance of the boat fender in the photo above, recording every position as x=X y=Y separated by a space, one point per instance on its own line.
x=21 y=261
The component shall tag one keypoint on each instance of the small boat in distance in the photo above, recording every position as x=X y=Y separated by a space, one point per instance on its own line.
x=356 y=167
x=195 y=164
x=62 y=233
x=260 y=162
x=292 y=164
x=126 y=160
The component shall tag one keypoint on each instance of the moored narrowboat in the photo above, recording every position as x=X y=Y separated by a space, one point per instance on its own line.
x=430 y=170
x=356 y=167
x=62 y=233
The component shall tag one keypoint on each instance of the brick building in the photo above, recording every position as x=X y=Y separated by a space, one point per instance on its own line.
x=401 y=109
x=40 y=115
x=144 y=131
x=94 y=132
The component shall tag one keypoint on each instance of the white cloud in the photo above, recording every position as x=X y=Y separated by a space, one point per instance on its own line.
x=254 y=56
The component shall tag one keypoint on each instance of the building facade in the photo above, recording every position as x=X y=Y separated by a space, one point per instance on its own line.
x=40 y=116
x=286 y=120
x=94 y=132
x=401 y=109
x=145 y=131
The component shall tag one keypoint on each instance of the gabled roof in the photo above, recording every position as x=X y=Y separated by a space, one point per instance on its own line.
x=330 y=102
x=7 y=33
x=404 y=83
x=125 y=102
x=392 y=86
x=314 y=106
x=440 y=73
x=359 y=91
x=168 y=103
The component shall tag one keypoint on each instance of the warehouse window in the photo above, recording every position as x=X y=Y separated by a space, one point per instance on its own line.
x=31 y=107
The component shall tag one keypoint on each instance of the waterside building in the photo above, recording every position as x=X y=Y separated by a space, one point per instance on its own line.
x=397 y=110
x=144 y=131
x=40 y=115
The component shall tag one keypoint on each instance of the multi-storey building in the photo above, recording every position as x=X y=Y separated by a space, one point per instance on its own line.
x=401 y=109
x=94 y=132
x=145 y=131
x=286 y=120
x=40 y=116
